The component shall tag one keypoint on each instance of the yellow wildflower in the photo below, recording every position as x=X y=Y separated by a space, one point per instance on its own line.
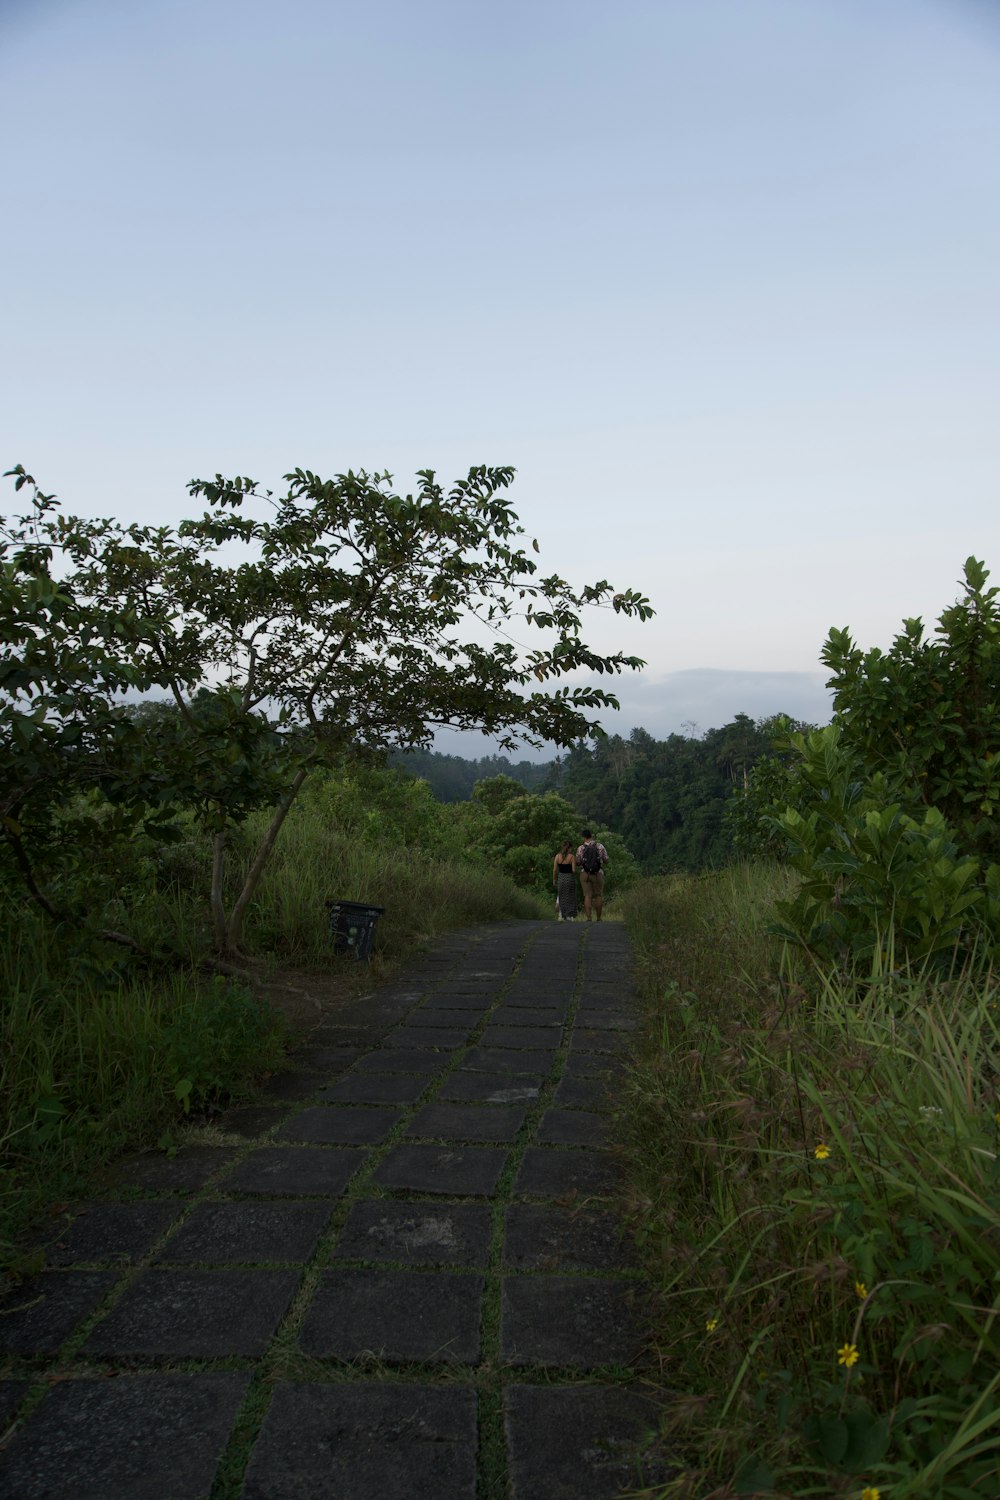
x=871 y=1493
x=847 y=1355
x=821 y=1151
x=861 y=1289
x=711 y=1325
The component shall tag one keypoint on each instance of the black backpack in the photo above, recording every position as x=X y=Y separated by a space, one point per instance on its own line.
x=591 y=860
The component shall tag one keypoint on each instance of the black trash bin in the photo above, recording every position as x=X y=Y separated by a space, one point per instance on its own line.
x=352 y=926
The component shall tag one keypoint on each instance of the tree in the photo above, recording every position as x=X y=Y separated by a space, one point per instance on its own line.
x=340 y=616
x=889 y=813
x=495 y=792
x=927 y=712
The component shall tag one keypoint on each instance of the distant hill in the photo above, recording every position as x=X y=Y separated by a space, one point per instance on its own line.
x=667 y=798
x=451 y=777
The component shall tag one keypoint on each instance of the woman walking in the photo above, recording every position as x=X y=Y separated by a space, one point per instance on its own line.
x=564 y=880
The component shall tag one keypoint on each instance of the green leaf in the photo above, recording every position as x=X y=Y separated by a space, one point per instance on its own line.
x=753 y=1476
x=867 y=1442
x=828 y=1434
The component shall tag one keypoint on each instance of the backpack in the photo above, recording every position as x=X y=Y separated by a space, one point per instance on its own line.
x=591 y=860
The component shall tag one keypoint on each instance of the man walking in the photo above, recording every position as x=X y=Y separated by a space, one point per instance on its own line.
x=591 y=858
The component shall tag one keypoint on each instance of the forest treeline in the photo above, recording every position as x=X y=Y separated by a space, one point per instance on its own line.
x=667 y=799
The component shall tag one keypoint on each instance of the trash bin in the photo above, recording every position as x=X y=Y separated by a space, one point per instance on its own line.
x=352 y=926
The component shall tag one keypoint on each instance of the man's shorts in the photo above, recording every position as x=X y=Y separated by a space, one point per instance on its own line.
x=592 y=883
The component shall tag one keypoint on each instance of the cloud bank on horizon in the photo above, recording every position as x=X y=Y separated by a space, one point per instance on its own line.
x=689 y=702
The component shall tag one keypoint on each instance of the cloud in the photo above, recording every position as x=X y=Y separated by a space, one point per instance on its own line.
x=688 y=703
x=710 y=697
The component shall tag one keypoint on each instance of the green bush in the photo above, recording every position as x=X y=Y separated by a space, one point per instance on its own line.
x=882 y=885
x=926 y=713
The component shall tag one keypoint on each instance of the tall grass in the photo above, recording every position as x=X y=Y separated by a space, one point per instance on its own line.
x=98 y=1053
x=815 y=1182
x=424 y=893
x=93 y=1060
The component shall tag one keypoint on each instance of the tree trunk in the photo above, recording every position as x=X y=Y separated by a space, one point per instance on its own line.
x=234 y=932
x=218 y=904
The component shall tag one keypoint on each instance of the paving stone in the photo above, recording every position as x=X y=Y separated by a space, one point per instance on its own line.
x=586 y=1440
x=295 y=1171
x=360 y=1019
x=444 y=1037
x=535 y=1010
x=358 y=1037
x=116 y=1233
x=475 y=981
x=394 y=1315
x=475 y=1004
x=471 y=1122
x=470 y=997
x=372 y=1441
x=401 y=1060
x=524 y=1015
x=194 y=1315
x=605 y=1020
x=135 y=1438
x=544 y=986
x=400 y=996
x=417 y=1234
x=327 y=1059
x=548 y=1173
x=291 y=1086
x=491 y=1088
x=424 y=1017
x=582 y=1093
x=582 y=1322
x=375 y=1088
x=38 y=1316
x=550 y=982
x=544 y=1037
x=12 y=1392
x=459 y=1171
x=534 y=1064
x=329 y=1125
x=252 y=1120
x=572 y=1127
x=187 y=1170
x=560 y=1239
x=247 y=1233
x=585 y=1040
x=592 y=1065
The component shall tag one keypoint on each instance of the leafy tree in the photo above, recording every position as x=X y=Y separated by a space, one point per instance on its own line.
x=882 y=884
x=521 y=834
x=927 y=712
x=773 y=783
x=889 y=814
x=338 y=616
x=496 y=792
x=670 y=799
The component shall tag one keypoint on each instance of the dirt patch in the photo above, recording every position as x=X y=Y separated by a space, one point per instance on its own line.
x=306 y=996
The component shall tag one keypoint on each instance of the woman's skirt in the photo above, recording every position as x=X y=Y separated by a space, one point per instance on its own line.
x=566 y=892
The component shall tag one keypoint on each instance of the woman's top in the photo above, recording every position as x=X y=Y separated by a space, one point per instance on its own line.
x=564 y=869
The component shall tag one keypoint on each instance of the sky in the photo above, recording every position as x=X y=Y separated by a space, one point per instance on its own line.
x=720 y=279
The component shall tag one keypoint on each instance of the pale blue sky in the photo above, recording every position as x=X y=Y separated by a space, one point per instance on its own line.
x=719 y=278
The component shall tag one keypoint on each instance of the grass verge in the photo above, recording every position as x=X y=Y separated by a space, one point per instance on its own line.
x=814 y=1179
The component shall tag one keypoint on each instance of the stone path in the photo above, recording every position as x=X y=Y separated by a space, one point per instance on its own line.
x=397 y=1279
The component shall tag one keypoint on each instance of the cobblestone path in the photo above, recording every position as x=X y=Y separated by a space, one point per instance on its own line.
x=397 y=1279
